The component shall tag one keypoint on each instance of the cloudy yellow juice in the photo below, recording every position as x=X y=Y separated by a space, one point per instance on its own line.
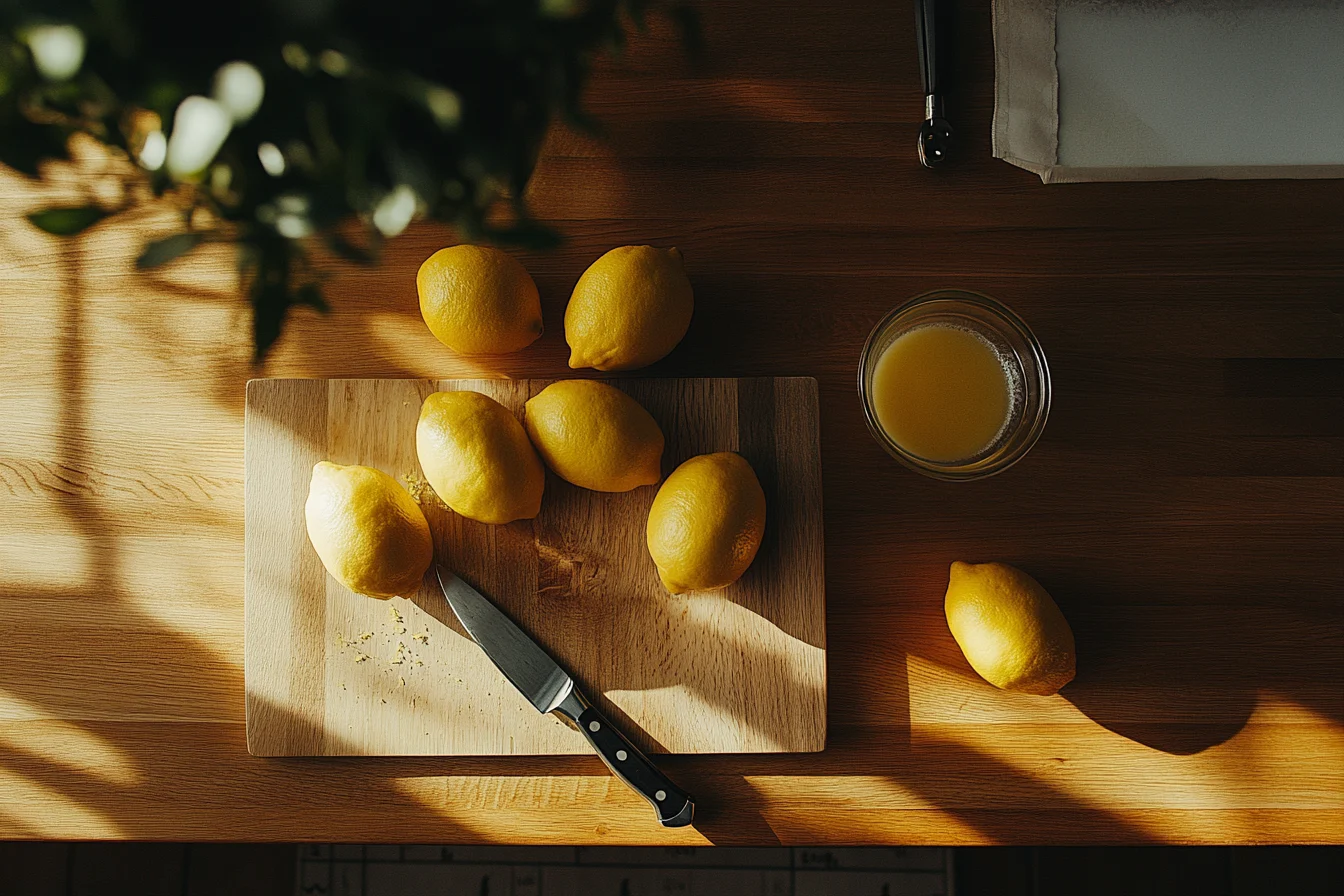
x=942 y=392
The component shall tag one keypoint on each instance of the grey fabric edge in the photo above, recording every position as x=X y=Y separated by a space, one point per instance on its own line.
x=1026 y=96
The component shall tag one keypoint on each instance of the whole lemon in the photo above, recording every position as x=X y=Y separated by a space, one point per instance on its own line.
x=479 y=300
x=1009 y=627
x=706 y=523
x=595 y=436
x=630 y=308
x=371 y=535
x=478 y=459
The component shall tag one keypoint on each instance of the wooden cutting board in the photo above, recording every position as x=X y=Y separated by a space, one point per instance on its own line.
x=330 y=672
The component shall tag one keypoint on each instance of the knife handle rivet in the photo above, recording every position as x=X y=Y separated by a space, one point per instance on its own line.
x=594 y=726
x=620 y=755
x=660 y=795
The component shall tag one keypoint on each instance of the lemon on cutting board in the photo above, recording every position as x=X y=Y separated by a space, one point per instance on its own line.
x=1010 y=629
x=630 y=308
x=477 y=458
x=479 y=300
x=595 y=436
x=706 y=523
x=370 y=534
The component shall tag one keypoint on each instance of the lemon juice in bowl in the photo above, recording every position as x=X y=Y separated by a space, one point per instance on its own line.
x=954 y=385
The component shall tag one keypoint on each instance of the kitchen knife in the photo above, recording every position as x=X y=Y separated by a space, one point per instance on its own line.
x=935 y=135
x=550 y=689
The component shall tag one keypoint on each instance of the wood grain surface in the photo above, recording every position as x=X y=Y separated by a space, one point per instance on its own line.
x=329 y=672
x=1184 y=505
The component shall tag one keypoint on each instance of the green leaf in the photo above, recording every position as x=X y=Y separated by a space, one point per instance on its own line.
x=162 y=97
x=515 y=66
x=165 y=250
x=67 y=221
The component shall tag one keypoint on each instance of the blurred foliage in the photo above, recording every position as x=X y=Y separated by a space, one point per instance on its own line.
x=377 y=110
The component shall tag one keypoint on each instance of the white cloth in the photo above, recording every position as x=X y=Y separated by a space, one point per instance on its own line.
x=1091 y=90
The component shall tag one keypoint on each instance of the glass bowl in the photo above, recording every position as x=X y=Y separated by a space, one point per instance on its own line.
x=1011 y=338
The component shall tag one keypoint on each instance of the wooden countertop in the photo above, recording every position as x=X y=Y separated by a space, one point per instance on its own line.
x=1185 y=506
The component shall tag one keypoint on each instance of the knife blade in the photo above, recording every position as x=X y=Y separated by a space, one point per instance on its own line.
x=549 y=688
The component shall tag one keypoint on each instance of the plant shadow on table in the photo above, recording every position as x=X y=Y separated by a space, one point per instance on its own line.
x=133 y=787
x=1154 y=693
x=148 y=781
x=861 y=771
x=142 y=779
x=373 y=327
x=150 y=796
x=1171 y=674
x=742 y=693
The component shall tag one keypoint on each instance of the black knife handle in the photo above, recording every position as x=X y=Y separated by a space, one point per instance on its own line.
x=935 y=134
x=673 y=805
x=926 y=34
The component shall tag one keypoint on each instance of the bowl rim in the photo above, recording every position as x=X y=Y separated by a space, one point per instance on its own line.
x=1022 y=443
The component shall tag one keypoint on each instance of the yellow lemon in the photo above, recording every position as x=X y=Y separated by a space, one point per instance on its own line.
x=479 y=300
x=371 y=535
x=630 y=308
x=1009 y=627
x=595 y=436
x=706 y=523
x=478 y=459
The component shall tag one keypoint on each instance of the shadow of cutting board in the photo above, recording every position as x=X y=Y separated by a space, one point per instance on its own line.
x=329 y=672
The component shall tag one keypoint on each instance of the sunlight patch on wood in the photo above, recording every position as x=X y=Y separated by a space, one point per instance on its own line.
x=40 y=564
x=407 y=343
x=81 y=750
x=1100 y=771
x=939 y=694
x=666 y=711
x=1260 y=755
x=852 y=808
x=48 y=812
x=527 y=807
